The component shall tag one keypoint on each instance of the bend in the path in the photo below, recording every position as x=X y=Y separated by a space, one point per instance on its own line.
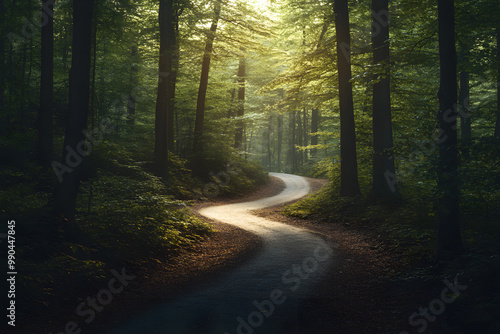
x=263 y=295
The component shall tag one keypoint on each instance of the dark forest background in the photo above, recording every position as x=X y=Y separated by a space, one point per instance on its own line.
x=116 y=115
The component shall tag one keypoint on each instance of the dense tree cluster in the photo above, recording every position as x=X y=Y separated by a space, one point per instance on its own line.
x=390 y=99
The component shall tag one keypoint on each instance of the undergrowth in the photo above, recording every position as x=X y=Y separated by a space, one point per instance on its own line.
x=130 y=214
x=407 y=229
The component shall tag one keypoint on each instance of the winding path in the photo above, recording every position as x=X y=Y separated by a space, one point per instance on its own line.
x=263 y=295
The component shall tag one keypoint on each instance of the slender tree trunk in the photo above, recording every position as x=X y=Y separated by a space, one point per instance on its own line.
x=202 y=92
x=22 y=107
x=463 y=101
x=11 y=75
x=45 y=138
x=349 y=185
x=240 y=111
x=79 y=91
x=305 y=134
x=173 y=83
x=314 y=129
x=3 y=73
x=131 y=103
x=93 y=115
x=269 y=152
x=300 y=159
x=449 y=238
x=292 y=157
x=465 y=122
x=497 y=125
x=280 y=140
x=164 y=117
x=383 y=158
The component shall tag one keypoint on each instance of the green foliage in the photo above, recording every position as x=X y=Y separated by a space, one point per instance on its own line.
x=134 y=214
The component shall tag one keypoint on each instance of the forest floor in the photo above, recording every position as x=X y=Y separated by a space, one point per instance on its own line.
x=356 y=296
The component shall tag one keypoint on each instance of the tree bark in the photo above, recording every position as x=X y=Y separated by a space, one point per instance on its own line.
x=305 y=134
x=240 y=111
x=465 y=122
x=292 y=156
x=202 y=91
x=383 y=158
x=497 y=125
x=449 y=239
x=314 y=130
x=131 y=103
x=280 y=141
x=22 y=108
x=269 y=151
x=463 y=100
x=349 y=185
x=79 y=91
x=300 y=159
x=45 y=138
x=3 y=73
x=164 y=117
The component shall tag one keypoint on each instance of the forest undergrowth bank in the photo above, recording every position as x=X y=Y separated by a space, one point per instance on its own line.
x=406 y=229
x=130 y=218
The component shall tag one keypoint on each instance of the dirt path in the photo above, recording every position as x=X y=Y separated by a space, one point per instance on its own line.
x=265 y=294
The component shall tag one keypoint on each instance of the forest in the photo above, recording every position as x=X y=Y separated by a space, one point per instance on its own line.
x=119 y=119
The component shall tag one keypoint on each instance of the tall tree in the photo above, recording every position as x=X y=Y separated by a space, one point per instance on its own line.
x=463 y=100
x=280 y=141
x=497 y=125
x=164 y=117
x=449 y=239
x=202 y=91
x=314 y=130
x=46 y=84
x=292 y=155
x=240 y=111
x=22 y=100
x=349 y=185
x=2 y=54
x=383 y=159
x=79 y=91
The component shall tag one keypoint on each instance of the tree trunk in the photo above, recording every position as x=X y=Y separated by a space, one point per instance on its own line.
x=300 y=159
x=202 y=92
x=131 y=103
x=79 y=90
x=465 y=122
x=3 y=73
x=383 y=158
x=45 y=138
x=269 y=152
x=314 y=129
x=22 y=108
x=240 y=111
x=497 y=125
x=305 y=134
x=463 y=100
x=449 y=239
x=164 y=117
x=292 y=157
x=280 y=141
x=349 y=185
